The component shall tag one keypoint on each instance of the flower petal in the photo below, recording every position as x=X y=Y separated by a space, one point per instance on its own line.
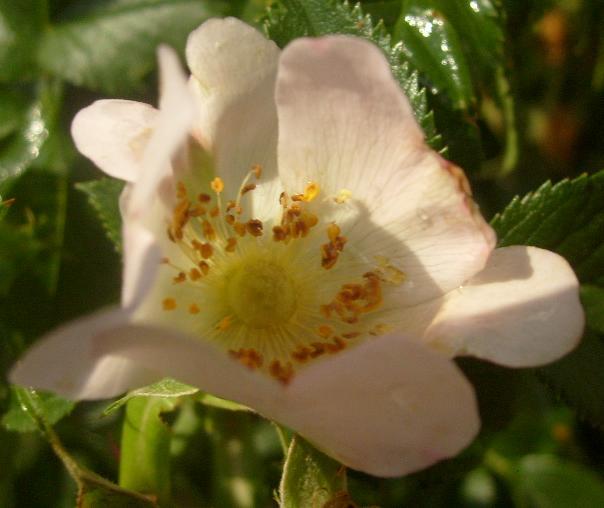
x=345 y=123
x=175 y=119
x=522 y=310
x=103 y=355
x=65 y=361
x=142 y=207
x=234 y=68
x=387 y=407
x=113 y=134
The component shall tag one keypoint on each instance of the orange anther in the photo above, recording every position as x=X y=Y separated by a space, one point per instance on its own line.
x=254 y=227
x=231 y=244
x=217 y=185
x=169 y=304
x=194 y=274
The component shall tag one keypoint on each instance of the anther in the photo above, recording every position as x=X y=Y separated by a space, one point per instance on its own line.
x=254 y=227
x=247 y=188
x=193 y=309
x=231 y=244
x=169 y=304
x=217 y=185
x=223 y=324
x=343 y=196
x=204 y=267
x=181 y=277
x=194 y=274
x=257 y=170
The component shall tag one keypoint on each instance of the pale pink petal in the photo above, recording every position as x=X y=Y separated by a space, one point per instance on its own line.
x=176 y=116
x=387 y=407
x=113 y=134
x=234 y=69
x=104 y=354
x=142 y=257
x=522 y=310
x=345 y=124
x=65 y=361
x=144 y=214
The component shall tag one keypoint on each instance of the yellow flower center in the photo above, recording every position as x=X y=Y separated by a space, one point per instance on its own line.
x=278 y=294
x=260 y=293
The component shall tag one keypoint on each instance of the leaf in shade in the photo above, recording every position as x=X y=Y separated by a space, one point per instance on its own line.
x=547 y=481
x=103 y=195
x=567 y=218
x=21 y=23
x=110 y=46
x=289 y=19
x=18 y=418
x=592 y=298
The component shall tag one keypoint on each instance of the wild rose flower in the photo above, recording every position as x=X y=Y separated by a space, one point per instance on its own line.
x=291 y=243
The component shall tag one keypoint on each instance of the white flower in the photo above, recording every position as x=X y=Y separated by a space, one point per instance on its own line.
x=291 y=243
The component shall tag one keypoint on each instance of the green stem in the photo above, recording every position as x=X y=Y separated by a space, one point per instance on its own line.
x=93 y=490
x=145 y=448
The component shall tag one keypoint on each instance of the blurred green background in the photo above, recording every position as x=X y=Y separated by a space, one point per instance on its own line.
x=517 y=98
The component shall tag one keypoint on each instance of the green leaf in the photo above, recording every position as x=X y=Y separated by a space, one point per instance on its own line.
x=432 y=43
x=97 y=494
x=217 y=402
x=567 y=218
x=21 y=23
x=19 y=152
x=592 y=298
x=19 y=418
x=289 y=19
x=13 y=106
x=103 y=195
x=386 y=10
x=110 y=46
x=166 y=388
x=311 y=478
x=145 y=446
x=578 y=378
x=544 y=481
x=18 y=249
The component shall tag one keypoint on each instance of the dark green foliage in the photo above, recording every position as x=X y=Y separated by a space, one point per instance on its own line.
x=288 y=19
x=567 y=218
x=103 y=195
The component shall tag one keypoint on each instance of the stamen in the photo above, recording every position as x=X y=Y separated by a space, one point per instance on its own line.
x=181 y=277
x=257 y=170
x=343 y=196
x=194 y=274
x=217 y=185
x=248 y=357
x=231 y=244
x=169 y=304
x=282 y=373
x=254 y=227
x=194 y=309
x=223 y=324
